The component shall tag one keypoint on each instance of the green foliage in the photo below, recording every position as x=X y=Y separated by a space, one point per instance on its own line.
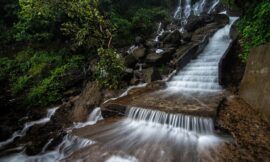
x=85 y=25
x=255 y=28
x=20 y=84
x=49 y=89
x=6 y=66
x=39 y=76
x=144 y=18
x=110 y=68
x=35 y=20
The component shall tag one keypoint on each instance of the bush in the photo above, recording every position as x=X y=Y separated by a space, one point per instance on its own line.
x=110 y=68
x=255 y=28
x=6 y=67
x=85 y=26
x=144 y=18
x=40 y=77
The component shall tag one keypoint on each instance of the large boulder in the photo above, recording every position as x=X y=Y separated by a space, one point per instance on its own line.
x=78 y=108
x=255 y=86
x=130 y=61
x=173 y=38
x=163 y=35
x=151 y=74
x=139 y=52
x=194 y=22
x=139 y=41
x=221 y=19
x=160 y=58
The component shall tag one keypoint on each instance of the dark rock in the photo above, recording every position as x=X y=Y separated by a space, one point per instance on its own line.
x=156 y=85
x=163 y=35
x=78 y=108
x=173 y=38
x=255 y=86
x=151 y=74
x=139 y=52
x=161 y=58
x=139 y=40
x=194 y=22
x=221 y=19
x=186 y=36
x=151 y=44
x=5 y=133
x=130 y=61
x=232 y=68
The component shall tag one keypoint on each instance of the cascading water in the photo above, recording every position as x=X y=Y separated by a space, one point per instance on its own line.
x=201 y=74
x=149 y=135
x=176 y=121
x=65 y=148
x=28 y=125
x=186 y=9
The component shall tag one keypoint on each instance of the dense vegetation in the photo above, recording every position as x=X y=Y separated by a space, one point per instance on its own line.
x=255 y=27
x=45 y=44
x=254 y=24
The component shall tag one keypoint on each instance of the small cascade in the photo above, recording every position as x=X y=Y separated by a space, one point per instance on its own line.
x=201 y=73
x=186 y=9
x=182 y=122
x=64 y=149
x=28 y=125
x=93 y=118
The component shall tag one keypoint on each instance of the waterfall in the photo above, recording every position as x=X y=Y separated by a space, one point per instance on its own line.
x=176 y=121
x=28 y=125
x=201 y=73
x=185 y=9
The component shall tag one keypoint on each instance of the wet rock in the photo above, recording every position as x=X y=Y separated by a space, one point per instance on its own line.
x=151 y=74
x=130 y=61
x=194 y=22
x=255 y=86
x=232 y=68
x=161 y=58
x=163 y=35
x=78 y=108
x=221 y=19
x=139 y=52
x=249 y=131
x=156 y=85
x=139 y=40
x=5 y=133
x=173 y=38
x=151 y=44
x=186 y=36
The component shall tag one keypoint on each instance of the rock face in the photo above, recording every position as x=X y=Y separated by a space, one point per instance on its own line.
x=151 y=74
x=255 y=86
x=78 y=108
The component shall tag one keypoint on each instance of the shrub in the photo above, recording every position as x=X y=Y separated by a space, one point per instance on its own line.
x=6 y=67
x=255 y=28
x=110 y=68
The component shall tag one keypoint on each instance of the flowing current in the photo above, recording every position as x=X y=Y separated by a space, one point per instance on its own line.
x=201 y=74
x=150 y=135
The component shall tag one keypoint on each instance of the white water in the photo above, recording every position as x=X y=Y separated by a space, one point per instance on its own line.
x=186 y=9
x=121 y=159
x=93 y=118
x=68 y=145
x=21 y=133
x=148 y=135
x=201 y=74
x=182 y=122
